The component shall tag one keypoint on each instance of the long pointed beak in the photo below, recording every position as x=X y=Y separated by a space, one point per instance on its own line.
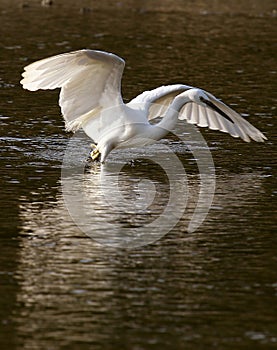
x=218 y=110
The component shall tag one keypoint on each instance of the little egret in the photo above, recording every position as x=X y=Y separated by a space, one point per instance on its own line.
x=90 y=98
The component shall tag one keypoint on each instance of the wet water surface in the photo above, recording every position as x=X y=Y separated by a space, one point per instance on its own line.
x=215 y=287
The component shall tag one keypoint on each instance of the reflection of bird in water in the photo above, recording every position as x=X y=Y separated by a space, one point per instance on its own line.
x=90 y=98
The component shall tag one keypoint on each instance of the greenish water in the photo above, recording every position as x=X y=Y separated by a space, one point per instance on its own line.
x=213 y=288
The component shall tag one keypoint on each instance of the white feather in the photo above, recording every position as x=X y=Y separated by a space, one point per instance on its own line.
x=89 y=81
x=200 y=115
x=90 y=98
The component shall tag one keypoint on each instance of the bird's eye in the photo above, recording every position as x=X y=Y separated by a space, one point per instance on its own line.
x=201 y=98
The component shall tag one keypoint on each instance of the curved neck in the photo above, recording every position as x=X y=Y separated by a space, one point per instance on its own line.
x=170 y=118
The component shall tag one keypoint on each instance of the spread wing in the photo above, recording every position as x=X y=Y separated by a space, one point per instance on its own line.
x=89 y=81
x=221 y=117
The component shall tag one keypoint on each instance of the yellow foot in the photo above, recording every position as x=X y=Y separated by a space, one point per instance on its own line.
x=94 y=154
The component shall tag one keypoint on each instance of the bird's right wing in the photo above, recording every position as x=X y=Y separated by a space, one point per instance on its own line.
x=89 y=80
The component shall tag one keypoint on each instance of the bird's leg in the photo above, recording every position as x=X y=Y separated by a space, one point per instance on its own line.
x=94 y=154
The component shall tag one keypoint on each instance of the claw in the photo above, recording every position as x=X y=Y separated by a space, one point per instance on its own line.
x=94 y=154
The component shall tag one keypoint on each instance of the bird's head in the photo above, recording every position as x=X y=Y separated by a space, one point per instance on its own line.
x=198 y=96
x=207 y=100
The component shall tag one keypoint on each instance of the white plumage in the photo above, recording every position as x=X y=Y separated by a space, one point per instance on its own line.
x=90 y=98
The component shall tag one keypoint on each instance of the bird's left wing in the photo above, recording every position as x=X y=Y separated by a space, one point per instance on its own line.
x=216 y=115
x=90 y=80
x=219 y=117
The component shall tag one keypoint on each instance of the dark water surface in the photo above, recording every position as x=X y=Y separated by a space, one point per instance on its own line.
x=212 y=288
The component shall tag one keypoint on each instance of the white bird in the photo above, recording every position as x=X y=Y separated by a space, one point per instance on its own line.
x=90 y=98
